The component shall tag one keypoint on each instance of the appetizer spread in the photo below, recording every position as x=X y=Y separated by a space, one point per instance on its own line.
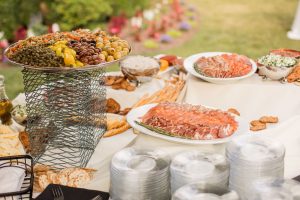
x=78 y=48
x=139 y=68
x=189 y=121
x=223 y=66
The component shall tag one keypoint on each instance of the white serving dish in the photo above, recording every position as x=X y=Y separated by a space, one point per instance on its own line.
x=136 y=114
x=189 y=66
x=274 y=73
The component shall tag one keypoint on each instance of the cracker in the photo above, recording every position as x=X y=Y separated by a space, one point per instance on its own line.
x=52 y=176
x=258 y=127
x=130 y=87
x=234 y=111
x=116 y=86
x=256 y=123
x=268 y=119
x=78 y=178
x=62 y=179
x=43 y=181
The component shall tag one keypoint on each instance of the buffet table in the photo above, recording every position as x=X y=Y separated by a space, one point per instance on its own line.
x=252 y=97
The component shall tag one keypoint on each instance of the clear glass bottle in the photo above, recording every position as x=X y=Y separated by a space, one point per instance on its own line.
x=5 y=104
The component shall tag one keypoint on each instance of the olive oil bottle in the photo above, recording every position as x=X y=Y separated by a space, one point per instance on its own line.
x=5 y=104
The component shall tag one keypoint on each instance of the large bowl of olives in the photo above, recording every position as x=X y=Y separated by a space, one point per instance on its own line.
x=80 y=49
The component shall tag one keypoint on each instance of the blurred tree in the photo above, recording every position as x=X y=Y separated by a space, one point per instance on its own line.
x=72 y=14
x=129 y=7
x=69 y=14
x=14 y=13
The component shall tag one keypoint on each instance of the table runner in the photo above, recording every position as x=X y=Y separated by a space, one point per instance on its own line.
x=253 y=97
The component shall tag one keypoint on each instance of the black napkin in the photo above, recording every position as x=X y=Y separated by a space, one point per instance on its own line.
x=297 y=178
x=72 y=193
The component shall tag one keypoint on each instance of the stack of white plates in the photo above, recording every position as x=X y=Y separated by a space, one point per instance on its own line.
x=252 y=157
x=274 y=188
x=201 y=191
x=196 y=166
x=139 y=174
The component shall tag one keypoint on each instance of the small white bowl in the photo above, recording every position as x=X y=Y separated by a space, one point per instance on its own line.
x=274 y=73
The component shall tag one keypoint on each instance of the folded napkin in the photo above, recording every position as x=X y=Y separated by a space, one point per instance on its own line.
x=72 y=193
x=297 y=178
x=11 y=180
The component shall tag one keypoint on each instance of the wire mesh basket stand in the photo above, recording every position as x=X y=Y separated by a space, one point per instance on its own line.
x=66 y=114
x=23 y=162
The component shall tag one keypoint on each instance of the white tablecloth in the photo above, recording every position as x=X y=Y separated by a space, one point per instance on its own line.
x=253 y=98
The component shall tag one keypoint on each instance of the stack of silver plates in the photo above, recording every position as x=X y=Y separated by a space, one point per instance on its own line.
x=274 y=188
x=201 y=191
x=139 y=174
x=196 y=166
x=252 y=157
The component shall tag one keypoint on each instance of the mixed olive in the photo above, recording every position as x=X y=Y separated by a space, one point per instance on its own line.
x=69 y=49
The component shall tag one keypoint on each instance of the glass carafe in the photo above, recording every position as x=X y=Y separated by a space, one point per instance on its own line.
x=5 y=104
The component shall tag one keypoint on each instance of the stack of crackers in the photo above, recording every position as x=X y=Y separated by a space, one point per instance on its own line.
x=73 y=177
x=119 y=83
x=261 y=123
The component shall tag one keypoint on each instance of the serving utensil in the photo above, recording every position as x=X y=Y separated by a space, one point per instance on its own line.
x=57 y=193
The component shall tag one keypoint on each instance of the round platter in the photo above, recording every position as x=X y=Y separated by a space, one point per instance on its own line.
x=136 y=114
x=64 y=69
x=189 y=66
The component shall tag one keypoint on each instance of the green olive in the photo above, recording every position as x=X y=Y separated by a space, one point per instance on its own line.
x=106 y=41
x=111 y=51
x=118 y=48
x=117 y=55
x=126 y=50
x=102 y=56
x=110 y=58
x=114 y=44
x=100 y=45
x=123 y=53
x=99 y=40
x=104 y=53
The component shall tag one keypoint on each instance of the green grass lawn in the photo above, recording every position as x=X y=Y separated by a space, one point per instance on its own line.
x=13 y=80
x=250 y=27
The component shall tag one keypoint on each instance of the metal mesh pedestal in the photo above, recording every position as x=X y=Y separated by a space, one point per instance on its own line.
x=66 y=114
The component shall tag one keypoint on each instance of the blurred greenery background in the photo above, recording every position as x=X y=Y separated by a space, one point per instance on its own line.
x=251 y=27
